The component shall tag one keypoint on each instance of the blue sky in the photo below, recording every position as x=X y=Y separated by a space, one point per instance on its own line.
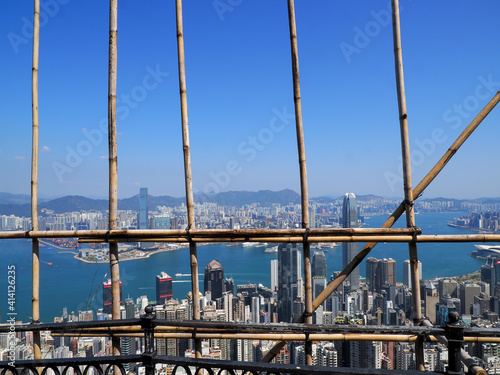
x=240 y=96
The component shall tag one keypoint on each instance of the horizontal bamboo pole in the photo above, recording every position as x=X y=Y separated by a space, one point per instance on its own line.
x=357 y=238
x=202 y=233
x=258 y=239
x=276 y=336
x=360 y=235
x=265 y=336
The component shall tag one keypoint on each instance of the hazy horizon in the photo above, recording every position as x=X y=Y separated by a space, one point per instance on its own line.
x=332 y=196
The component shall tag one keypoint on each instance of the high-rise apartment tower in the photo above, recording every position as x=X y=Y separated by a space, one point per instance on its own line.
x=163 y=288
x=350 y=249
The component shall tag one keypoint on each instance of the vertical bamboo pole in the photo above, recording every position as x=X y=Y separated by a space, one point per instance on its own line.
x=34 y=182
x=195 y=289
x=419 y=189
x=303 y=171
x=405 y=146
x=113 y=166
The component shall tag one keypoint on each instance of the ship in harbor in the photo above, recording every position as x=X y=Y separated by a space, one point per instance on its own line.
x=484 y=251
x=271 y=250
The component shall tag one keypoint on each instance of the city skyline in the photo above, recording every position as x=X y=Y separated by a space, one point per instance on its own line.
x=389 y=306
x=243 y=135
x=243 y=109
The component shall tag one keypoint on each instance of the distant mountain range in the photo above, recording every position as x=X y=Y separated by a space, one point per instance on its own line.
x=19 y=204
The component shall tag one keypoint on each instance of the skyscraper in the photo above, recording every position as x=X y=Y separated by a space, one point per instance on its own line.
x=107 y=296
x=318 y=285
x=274 y=274
x=488 y=273
x=379 y=272
x=128 y=343
x=467 y=292
x=371 y=272
x=312 y=218
x=289 y=273
x=407 y=272
x=161 y=222
x=319 y=264
x=163 y=288
x=143 y=209
x=350 y=249
x=214 y=280
x=318 y=273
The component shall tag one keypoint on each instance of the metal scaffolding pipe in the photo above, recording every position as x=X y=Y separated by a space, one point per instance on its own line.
x=35 y=299
x=113 y=165
x=187 y=168
x=465 y=357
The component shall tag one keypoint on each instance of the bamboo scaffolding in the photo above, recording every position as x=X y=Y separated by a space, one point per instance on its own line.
x=392 y=239
x=35 y=304
x=396 y=237
x=265 y=336
x=326 y=333
x=244 y=234
x=113 y=165
x=278 y=336
x=292 y=337
x=408 y=191
x=187 y=168
x=114 y=237
x=303 y=172
x=417 y=191
x=189 y=326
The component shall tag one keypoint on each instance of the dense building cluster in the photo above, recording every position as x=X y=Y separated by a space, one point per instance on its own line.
x=377 y=299
x=324 y=212
x=479 y=221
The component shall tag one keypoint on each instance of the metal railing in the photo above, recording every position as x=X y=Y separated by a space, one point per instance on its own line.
x=190 y=366
x=150 y=328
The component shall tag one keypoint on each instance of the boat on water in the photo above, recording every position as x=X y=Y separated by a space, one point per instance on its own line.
x=178 y=275
x=484 y=251
x=50 y=263
x=271 y=250
x=248 y=244
x=327 y=245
